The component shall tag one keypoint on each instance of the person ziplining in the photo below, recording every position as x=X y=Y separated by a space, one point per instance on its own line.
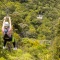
x=7 y=32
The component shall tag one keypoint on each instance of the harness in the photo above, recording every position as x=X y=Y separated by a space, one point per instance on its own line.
x=6 y=37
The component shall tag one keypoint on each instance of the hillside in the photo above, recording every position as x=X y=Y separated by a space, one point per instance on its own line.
x=36 y=26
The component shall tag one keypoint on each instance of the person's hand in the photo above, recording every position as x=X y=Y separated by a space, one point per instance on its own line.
x=9 y=18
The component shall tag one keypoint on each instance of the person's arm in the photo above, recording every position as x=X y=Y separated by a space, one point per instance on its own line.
x=10 y=23
x=3 y=23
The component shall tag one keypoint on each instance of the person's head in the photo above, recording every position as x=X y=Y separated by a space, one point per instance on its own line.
x=6 y=25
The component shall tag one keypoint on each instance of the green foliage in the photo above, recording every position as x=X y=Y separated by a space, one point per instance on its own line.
x=2 y=58
x=26 y=56
x=56 y=43
x=30 y=32
x=16 y=36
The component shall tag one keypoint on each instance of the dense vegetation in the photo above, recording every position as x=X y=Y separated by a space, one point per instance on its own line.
x=37 y=39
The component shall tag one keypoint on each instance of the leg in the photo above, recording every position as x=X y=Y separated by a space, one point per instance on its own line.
x=4 y=46
x=5 y=42
x=13 y=40
x=14 y=43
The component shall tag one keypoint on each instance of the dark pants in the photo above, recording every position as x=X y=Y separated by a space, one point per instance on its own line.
x=8 y=40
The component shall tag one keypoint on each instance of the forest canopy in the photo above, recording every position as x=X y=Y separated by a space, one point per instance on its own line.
x=36 y=26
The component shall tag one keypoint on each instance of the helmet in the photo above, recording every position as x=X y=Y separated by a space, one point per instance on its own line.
x=6 y=24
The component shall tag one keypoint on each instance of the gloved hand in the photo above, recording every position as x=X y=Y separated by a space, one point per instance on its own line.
x=9 y=18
